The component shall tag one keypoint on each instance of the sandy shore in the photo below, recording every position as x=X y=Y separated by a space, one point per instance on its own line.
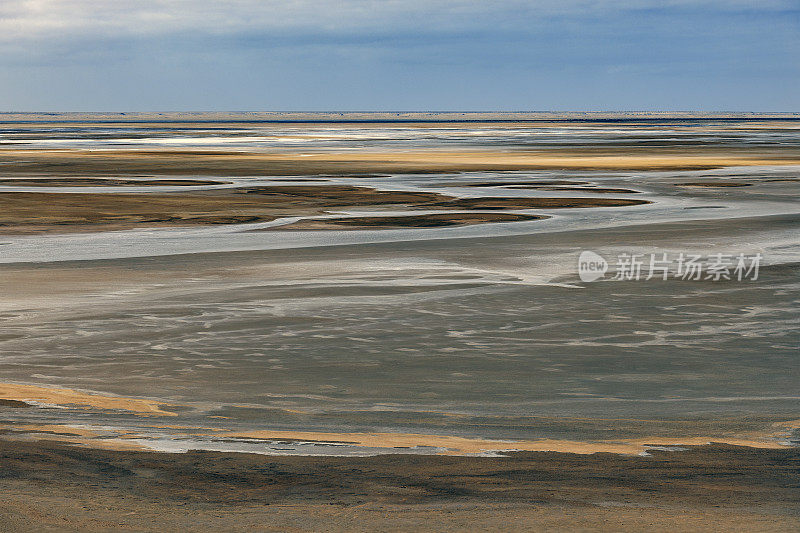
x=27 y=162
x=21 y=396
x=221 y=163
x=584 y=160
x=464 y=446
x=70 y=397
x=50 y=486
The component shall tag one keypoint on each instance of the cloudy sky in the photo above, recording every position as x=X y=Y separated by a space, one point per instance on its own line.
x=158 y=55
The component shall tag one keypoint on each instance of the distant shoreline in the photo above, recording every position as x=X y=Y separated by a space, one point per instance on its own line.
x=378 y=117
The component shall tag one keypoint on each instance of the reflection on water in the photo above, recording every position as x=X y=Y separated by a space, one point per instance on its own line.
x=422 y=344
x=481 y=332
x=525 y=135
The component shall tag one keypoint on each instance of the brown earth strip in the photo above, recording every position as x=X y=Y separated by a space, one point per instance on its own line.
x=510 y=183
x=34 y=212
x=336 y=196
x=713 y=184
x=547 y=185
x=536 y=203
x=103 y=182
x=433 y=220
x=29 y=213
x=598 y=190
x=15 y=404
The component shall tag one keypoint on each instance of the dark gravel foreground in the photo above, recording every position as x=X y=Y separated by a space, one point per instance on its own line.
x=52 y=486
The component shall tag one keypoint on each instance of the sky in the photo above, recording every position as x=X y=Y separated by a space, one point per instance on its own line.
x=399 y=55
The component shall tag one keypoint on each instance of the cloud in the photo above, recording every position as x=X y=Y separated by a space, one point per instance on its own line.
x=369 y=54
x=43 y=20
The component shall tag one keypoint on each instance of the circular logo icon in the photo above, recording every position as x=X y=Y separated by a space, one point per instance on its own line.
x=591 y=266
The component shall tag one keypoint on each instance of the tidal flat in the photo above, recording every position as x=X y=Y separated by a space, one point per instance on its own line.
x=279 y=321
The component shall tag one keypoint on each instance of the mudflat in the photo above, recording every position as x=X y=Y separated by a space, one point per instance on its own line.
x=103 y=182
x=52 y=486
x=51 y=212
x=430 y=220
x=292 y=369
x=538 y=202
x=34 y=212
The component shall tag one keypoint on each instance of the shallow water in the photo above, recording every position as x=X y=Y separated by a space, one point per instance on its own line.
x=483 y=331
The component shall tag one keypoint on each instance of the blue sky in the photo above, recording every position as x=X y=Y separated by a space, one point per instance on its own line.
x=159 y=55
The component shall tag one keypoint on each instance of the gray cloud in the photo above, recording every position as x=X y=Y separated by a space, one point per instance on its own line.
x=31 y=20
x=392 y=54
